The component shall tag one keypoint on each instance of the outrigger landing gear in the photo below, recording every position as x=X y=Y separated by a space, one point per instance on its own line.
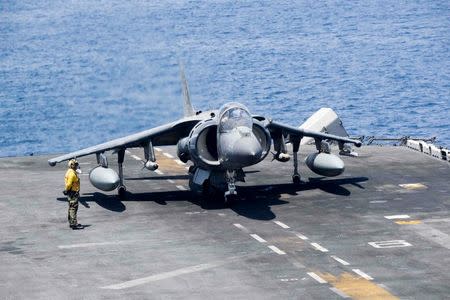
x=296 y=178
x=121 y=189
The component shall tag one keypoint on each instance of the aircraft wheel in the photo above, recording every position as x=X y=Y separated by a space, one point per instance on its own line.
x=122 y=190
x=230 y=200
x=192 y=169
x=210 y=195
x=204 y=203
x=296 y=179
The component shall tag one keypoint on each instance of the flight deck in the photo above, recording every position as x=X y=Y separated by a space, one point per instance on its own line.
x=381 y=230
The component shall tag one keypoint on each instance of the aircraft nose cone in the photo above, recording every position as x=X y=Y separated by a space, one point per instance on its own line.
x=238 y=149
x=247 y=150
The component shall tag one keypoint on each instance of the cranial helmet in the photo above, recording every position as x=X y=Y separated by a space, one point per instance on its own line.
x=72 y=163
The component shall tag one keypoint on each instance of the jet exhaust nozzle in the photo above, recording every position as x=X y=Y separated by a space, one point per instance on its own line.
x=183 y=150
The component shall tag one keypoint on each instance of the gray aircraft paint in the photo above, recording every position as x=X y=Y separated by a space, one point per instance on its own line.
x=325 y=164
x=104 y=179
x=221 y=143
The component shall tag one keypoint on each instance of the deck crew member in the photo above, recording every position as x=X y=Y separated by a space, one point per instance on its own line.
x=72 y=191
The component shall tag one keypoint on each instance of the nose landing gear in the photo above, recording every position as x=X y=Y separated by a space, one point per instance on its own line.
x=230 y=195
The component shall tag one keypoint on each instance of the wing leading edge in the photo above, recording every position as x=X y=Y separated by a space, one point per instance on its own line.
x=167 y=134
x=291 y=130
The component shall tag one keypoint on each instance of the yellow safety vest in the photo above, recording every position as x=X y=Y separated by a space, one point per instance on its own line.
x=72 y=181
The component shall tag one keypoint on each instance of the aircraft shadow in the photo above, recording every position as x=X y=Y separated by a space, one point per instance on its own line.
x=109 y=202
x=259 y=199
x=255 y=201
x=173 y=177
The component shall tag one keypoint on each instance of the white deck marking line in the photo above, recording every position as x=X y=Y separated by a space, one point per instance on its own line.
x=316 y=277
x=340 y=293
x=158 y=172
x=362 y=274
x=181 y=188
x=157 y=149
x=318 y=247
x=276 y=250
x=258 y=238
x=167 y=155
x=340 y=260
x=86 y=245
x=162 y=276
x=281 y=224
x=84 y=163
x=136 y=157
x=378 y=201
x=179 y=162
x=170 y=181
x=390 y=244
x=397 y=217
x=241 y=227
x=443 y=220
x=127 y=152
x=301 y=236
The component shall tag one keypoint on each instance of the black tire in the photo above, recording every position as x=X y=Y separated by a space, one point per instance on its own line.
x=230 y=200
x=207 y=194
x=296 y=179
x=122 y=192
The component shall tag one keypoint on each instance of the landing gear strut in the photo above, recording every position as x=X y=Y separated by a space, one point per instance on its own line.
x=121 y=189
x=230 y=194
x=296 y=178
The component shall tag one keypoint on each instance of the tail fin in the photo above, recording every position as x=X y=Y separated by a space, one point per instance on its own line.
x=324 y=120
x=188 y=109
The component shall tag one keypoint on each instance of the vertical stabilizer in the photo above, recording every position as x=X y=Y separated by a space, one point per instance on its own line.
x=324 y=120
x=188 y=109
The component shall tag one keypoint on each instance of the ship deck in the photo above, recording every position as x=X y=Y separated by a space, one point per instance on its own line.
x=379 y=230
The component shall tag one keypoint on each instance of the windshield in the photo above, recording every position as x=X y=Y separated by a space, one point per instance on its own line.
x=233 y=118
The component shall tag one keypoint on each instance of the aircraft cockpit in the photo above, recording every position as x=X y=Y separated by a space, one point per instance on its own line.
x=234 y=115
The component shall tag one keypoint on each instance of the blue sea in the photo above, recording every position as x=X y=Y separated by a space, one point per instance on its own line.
x=77 y=73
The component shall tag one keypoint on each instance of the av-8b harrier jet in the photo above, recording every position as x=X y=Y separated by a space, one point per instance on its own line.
x=219 y=144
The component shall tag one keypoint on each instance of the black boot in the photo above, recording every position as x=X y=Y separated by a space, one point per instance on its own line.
x=77 y=227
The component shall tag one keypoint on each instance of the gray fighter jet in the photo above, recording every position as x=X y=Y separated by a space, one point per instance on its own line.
x=219 y=144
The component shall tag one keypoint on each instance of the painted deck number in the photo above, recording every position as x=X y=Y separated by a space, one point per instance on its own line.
x=390 y=244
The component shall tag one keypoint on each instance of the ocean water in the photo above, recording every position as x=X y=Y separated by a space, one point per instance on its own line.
x=77 y=73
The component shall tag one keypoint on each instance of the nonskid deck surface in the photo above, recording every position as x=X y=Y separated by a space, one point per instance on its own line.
x=381 y=229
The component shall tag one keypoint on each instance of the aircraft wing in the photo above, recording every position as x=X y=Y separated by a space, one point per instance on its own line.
x=168 y=134
x=291 y=130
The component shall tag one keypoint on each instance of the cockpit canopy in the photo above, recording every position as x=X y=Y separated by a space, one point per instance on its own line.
x=233 y=115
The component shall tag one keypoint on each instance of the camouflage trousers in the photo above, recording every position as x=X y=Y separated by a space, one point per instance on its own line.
x=73 y=208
